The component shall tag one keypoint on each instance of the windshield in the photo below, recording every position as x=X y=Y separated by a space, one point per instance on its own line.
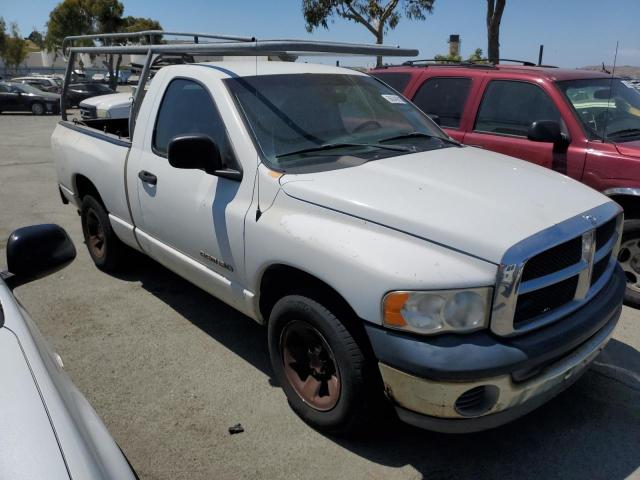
x=300 y=120
x=607 y=108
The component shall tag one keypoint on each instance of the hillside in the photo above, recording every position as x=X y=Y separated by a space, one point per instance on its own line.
x=621 y=70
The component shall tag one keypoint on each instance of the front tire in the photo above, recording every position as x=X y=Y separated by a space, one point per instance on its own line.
x=629 y=258
x=321 y=367
x=37 y=108
x=105 y=248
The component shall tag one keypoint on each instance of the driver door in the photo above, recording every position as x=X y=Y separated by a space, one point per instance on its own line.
x=507 y=110
x=184 y=221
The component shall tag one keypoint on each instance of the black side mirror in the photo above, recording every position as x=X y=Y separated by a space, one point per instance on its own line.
x=198 y=152
x=436 y=119
x=37 y=251
x=547 y=131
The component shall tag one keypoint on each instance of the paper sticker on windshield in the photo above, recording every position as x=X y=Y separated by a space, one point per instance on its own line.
x=393 y=99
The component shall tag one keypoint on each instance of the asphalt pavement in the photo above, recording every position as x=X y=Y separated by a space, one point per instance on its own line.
x=169 y=369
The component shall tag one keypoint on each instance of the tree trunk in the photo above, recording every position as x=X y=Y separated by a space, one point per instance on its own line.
x=379 y=40
x=493 y=35
x=495 y=8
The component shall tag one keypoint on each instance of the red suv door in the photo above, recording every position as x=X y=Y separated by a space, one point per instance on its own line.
x=507 y=110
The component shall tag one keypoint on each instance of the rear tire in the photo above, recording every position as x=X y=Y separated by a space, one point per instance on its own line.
x=37 y=108
x=105 y=248
x=629 y=258
x=321 y=367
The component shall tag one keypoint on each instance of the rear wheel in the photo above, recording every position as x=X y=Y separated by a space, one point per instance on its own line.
x=105 y=248
x=321 y=367
x=37 y=108
x=629 y=258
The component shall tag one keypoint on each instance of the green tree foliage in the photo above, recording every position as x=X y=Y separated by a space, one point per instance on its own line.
x=85 y=17
x=376 y=16
x=3 y=33
x=14 y=48
x=475 y=57
x=37 y=38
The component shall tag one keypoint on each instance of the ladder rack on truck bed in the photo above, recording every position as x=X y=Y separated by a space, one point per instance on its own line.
x=230 y=45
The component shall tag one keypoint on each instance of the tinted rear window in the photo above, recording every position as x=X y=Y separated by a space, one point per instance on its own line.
x=397 y=81
x=444 y=97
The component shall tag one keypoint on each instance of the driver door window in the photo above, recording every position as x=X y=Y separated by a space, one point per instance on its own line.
x=186 y=109
x=507 y=110
x=510 y=107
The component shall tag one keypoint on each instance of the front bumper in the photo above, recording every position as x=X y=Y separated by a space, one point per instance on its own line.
x=426 y=377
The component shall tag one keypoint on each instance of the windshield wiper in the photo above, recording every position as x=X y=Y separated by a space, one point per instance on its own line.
x=331 y=146
x=627 y=132
x=419 y=135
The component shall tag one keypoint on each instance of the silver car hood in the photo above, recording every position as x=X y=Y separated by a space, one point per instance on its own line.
x=24 y=422
x=468 y=199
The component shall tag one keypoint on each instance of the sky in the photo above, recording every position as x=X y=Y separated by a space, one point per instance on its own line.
x=575 y=33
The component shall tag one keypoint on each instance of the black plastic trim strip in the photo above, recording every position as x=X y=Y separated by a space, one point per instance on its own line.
x=92 y=132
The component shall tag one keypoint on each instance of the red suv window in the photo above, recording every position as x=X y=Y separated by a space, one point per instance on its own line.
x=396 y=80
x=444 y=97
x=510 y=107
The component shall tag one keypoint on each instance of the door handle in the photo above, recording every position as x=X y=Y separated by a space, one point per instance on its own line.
x=147 y=177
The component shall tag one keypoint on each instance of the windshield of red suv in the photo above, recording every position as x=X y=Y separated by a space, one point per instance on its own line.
x=607 y=108
x=300 y=120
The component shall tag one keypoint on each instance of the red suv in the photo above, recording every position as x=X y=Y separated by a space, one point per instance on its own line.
x=584 y=124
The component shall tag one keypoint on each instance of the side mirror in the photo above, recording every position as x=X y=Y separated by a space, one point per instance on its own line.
x=37 y=251
x=547 y=131
x=436 y=119
x=198 y=152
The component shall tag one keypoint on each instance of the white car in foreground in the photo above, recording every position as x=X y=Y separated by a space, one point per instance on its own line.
x=48 y=430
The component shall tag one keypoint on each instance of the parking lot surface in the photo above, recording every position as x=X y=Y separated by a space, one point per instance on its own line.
x=169 y=369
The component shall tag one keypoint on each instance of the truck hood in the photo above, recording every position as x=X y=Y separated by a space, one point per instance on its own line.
x=109 y=101
x=467 y=199
x=630 y=149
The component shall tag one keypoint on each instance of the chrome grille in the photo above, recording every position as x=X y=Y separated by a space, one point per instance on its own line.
x=538 y=285
x=88 y=112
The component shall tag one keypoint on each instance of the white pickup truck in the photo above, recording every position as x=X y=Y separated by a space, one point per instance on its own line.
x=391 y=265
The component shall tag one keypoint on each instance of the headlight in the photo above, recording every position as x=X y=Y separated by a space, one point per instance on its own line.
x=438 y=311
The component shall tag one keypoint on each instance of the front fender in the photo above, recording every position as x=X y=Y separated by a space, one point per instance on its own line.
x=362 y=261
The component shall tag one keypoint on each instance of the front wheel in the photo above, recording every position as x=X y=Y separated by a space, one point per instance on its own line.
x=37 y=108
x=105 y=248
x=629 y=258
x=321 y=367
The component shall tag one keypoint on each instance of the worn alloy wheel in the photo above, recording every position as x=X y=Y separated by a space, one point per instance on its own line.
x=95 y=240
x=321 y=364
x=629 y=259
x=310 y=365
x=105 y=248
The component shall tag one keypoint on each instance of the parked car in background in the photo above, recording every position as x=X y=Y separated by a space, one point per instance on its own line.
x=46 y=84
x=98 y=77
x=122 y=77
x=81 y=91
x=115 y=105
x=48 y=428
x=22 y=97
x=581 y=123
